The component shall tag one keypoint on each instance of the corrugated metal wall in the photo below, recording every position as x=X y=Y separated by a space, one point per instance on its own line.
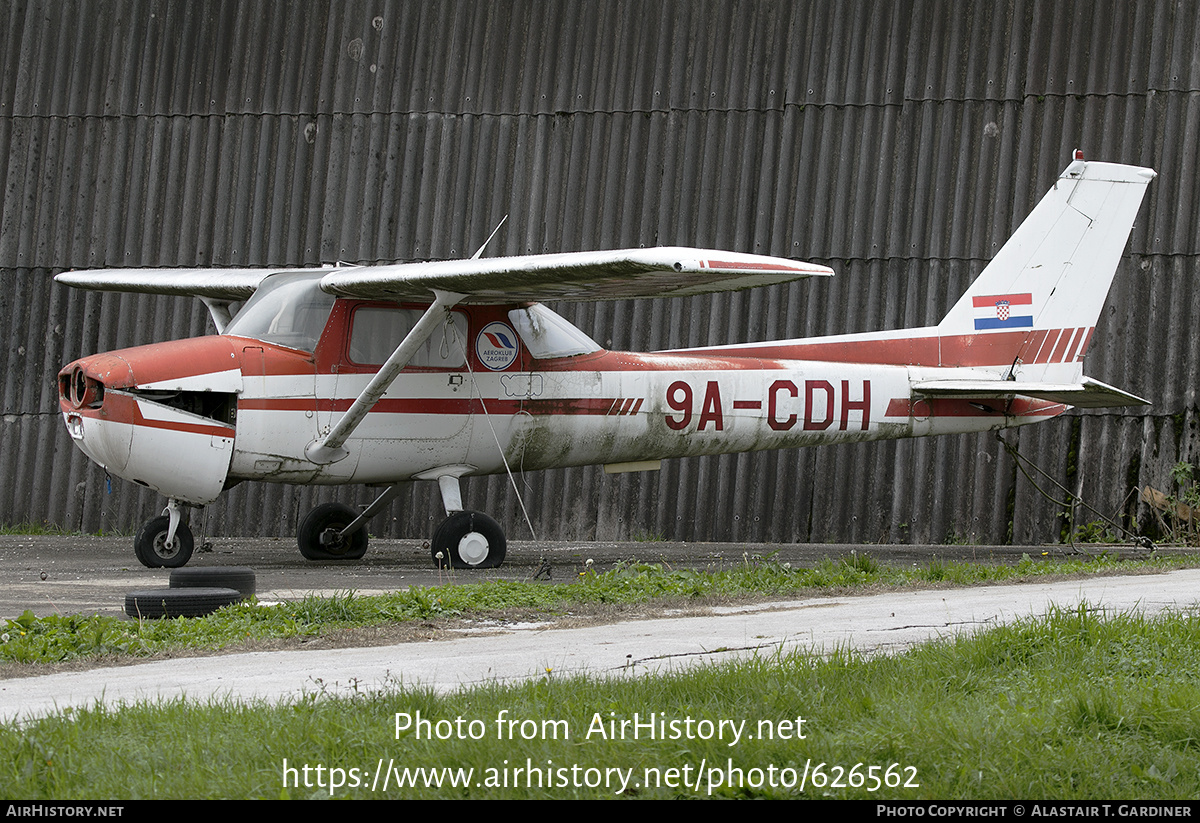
x=898 y=142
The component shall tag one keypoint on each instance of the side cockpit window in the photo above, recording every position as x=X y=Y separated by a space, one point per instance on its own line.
x=547 y=335
x=286 y=309
x=376 y=331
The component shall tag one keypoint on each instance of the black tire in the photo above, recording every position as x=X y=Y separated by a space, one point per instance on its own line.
x=468 y=540
x=149 y=548
x=191 y=602
x=324 y=518
x=240 y=578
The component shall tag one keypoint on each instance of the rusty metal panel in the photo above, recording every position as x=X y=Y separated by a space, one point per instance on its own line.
x=898 y=142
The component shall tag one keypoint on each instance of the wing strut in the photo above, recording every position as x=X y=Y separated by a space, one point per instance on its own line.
x=329 y=449
x=219 y=311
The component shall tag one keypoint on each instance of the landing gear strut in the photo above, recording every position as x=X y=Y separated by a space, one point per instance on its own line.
x=333 y=531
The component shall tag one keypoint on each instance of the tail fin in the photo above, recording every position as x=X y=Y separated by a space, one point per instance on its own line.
x=1033 y=309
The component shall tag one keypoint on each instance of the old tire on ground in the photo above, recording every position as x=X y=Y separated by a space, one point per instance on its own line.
x=330 y=517
x=190 y=602
x=221 y=577
x=150 y=548
x=468 y=540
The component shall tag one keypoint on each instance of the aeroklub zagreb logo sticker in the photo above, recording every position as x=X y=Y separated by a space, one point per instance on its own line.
x=497 y=346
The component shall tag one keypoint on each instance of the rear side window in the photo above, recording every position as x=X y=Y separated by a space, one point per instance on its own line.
x=376 y=331
x=547 y=335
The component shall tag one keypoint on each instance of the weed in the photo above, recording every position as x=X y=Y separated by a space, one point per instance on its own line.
x=936 y=570
x=861 y=562
x=1178 y=514
x=1096 y=532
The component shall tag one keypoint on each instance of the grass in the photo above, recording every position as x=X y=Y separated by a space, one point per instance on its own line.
x=1073 y=705
x=28 y=639
x=47 y=529
x=35 y=529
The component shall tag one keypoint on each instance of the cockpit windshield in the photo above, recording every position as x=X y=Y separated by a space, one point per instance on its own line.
x=287 y=309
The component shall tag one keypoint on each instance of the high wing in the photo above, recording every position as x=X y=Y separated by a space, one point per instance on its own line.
x=215 y=284
x=605 y=275
x=580 y=276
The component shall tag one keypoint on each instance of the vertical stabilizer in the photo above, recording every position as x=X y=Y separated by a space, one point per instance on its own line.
x=1036 y=304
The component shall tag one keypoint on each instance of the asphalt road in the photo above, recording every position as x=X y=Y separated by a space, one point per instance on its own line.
x=91 y=575
x=873 y=624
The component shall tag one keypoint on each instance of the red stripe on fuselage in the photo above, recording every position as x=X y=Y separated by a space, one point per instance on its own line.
x=439 y=405
x=971 y=350
x=623 y=361
x=1047 y=347
x=1064 y=340
x=1076 y=340
x=123 y=408
x=1087 y=341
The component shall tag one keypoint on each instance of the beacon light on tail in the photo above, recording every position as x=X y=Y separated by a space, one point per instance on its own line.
x=437 y=371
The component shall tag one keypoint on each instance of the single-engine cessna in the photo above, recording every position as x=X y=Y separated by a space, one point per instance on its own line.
x=441 y=370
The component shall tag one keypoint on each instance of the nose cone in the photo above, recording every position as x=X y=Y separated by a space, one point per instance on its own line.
x=82 y=386
x=159 y=415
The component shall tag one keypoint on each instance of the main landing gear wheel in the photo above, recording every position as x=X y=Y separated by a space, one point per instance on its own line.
x=318 y=535
x=151 y=549
x=468 y=540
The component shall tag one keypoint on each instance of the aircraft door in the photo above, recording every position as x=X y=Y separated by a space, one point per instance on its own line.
x=531 y=390
x=423 y=420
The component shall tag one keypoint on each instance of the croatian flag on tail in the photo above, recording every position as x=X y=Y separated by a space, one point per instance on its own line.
x=1003 y=311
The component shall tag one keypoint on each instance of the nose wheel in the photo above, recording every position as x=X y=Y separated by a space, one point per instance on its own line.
x=155 y=551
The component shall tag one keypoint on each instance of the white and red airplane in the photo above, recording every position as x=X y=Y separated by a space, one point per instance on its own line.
x=437 y=371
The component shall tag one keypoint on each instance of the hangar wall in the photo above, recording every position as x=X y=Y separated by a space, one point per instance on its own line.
x=898 y=142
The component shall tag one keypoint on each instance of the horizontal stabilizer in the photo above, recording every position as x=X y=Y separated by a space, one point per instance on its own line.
x=1090 y=394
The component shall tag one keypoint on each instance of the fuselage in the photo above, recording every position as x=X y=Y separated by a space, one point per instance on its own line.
x=495 y=385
